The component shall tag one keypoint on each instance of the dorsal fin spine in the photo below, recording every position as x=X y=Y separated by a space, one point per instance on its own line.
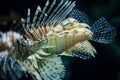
x=65 y=13
x=28 y=18
x=48 y=12
x=49 y=18
x=35 y=16
x=44 y=9
x=57 y=13
x=60 y=12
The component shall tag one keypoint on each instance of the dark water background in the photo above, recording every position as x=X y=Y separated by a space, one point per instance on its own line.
x=106 y=64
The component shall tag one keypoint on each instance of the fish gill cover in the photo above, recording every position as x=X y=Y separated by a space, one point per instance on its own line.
x=58 y=29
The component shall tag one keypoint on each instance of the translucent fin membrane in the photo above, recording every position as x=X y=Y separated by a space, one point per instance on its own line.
x=58 y=13
x=84 y=56
x=103 y=31
x=80 y=16
x=64 y=12
x=53 y=13
x=61 y=13
x=83 y=50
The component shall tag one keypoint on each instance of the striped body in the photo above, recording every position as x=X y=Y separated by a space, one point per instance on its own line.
x=7 y=42
x=67 y=39
x=62 y=36
x=37 y=33
x=56 y=31
x=67 y=24
x=61 y=33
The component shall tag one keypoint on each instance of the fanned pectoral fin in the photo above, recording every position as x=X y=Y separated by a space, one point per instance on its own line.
x=51 y=68
x=82 y=50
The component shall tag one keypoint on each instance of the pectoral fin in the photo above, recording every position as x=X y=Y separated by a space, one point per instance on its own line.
x=82 y=50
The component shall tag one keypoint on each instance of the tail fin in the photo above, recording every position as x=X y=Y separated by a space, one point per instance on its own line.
x=103 y=31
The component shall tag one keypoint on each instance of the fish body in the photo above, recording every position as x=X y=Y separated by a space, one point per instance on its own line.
x=30 y=48
x=59 y=31
x=63 y=40
x=62 y=36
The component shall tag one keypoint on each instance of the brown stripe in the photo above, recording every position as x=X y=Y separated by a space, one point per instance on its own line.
x=39 y=32
x=32 y=35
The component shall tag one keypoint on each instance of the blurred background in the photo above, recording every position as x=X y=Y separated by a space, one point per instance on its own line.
x=106 y=64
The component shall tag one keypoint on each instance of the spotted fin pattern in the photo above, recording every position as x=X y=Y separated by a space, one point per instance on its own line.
x=83 y=50
x=45 y=64
x=49 y=68
x=80 y=16
x=103 y=31
x=52 y=68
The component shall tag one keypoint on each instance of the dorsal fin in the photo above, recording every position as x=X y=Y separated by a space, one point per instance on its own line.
x=61 y=13
x=35 y=16
x=51 y=14
x=48 y=12
x=28 y=18
x=44 y=10
x=64 y=13
x=80 y=16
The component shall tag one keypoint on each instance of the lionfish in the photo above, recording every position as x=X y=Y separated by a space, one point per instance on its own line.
x=9 y=68
x=55 y=30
